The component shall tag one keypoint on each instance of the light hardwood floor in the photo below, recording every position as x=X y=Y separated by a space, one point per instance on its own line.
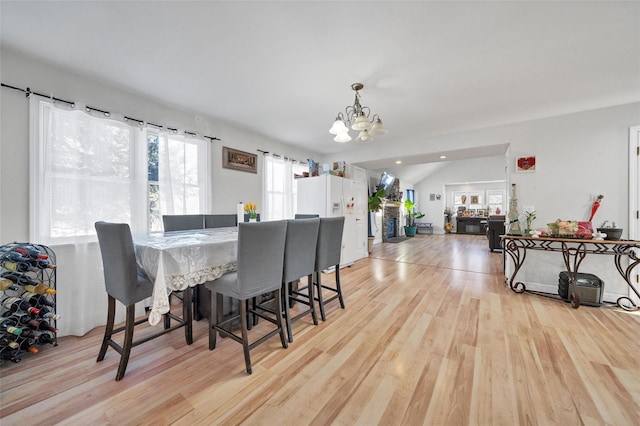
x=430 y=335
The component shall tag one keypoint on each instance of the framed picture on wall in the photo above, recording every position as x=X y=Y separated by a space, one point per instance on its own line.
x=239 y=160
x=460 y=198
x=526 y=164
x=475 y=198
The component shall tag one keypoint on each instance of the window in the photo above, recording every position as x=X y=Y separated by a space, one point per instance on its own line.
x=175 y=176
x=496 y=201
x=87 y=168
x=280 y=190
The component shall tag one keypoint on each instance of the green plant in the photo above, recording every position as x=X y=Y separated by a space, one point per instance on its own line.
x=606 y=225
x=375 y=201
x=412 y=215
x=529 y=217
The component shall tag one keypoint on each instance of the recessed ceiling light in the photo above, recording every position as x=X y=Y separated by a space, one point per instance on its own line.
x=399 y=162
x=442 y=157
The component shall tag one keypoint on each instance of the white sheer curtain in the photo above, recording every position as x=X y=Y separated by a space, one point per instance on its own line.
x=84 y=169
x=279 y=189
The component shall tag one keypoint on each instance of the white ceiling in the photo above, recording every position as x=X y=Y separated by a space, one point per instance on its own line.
x=286 y=68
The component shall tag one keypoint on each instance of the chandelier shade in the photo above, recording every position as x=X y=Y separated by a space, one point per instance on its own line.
x=338 y=127
x=356 y=116
x=342 y=137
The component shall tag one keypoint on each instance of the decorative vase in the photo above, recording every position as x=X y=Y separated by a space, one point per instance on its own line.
x=410 y=231
x=612 y=233
x=252 y=219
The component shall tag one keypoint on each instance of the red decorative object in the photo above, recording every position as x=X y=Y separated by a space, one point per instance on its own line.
x=526 y=164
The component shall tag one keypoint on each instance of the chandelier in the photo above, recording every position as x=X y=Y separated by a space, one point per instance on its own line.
x=357 y=116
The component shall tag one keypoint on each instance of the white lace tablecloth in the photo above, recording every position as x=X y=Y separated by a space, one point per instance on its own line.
x=177 y=260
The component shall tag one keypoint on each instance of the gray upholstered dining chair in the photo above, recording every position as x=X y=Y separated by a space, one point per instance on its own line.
x=299 y=261
x=328 y=253
x=305 y=216
x=259 y=270
x=126 y=283
x=182 y=222
x=220 y=220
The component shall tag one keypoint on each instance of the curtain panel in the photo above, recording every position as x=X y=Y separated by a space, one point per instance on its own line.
x=85 y=168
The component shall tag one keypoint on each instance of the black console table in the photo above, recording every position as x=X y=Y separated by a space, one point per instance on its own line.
x=573 y=252
x=471 y=225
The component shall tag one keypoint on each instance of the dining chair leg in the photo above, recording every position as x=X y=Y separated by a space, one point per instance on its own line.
x=278 y=298
x=108 y=331
x=245 y=338
x=213 y=320
x=187 y=314
x=320 y=301
x=338 y=287
x=311 y=300
x=287 y=315
x=128 y=340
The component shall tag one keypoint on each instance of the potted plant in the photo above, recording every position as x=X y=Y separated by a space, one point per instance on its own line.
x=612 y=231
x=411 y=228
x=374 y=205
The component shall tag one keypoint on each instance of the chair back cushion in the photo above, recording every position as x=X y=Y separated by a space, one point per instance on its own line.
x=220 y=220
x=182 y=222
x=329 y=247
x=260 y=257
x=305 y=216
x=122 y=279
x=300 y=248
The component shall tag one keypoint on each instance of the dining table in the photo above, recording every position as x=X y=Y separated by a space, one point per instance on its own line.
x=177 y=260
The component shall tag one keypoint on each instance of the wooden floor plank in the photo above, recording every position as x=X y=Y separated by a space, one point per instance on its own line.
x=430 y=335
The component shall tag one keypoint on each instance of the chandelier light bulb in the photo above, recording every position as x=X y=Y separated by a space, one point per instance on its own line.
x=361 y=123
x=338 y=127
x=378 y=128
x=364 y=136
x=342 y=137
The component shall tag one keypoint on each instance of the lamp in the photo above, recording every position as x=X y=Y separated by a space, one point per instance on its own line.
x=357 y=117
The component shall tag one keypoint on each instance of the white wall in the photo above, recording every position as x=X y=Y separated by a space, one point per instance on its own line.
x=229 y=186
x=455 y=172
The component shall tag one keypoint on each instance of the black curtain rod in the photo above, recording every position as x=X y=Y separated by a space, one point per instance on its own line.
x=28 y=92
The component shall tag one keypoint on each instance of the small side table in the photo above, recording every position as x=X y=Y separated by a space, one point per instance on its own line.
x=426 y=227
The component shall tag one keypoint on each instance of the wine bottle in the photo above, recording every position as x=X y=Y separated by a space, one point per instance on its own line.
x=41 y=325
x=27 y=345
x=37 y=300
x=19 y=317
x=17 y=304
x=8 y=325
x=40 y=288
x=48 y=314
x=10 y=354
x=41 y=264
x=13 y=256
x=30 y=251
x=7 y=284
x=19 y=278
x=5 y=342
x=41 y=337
x=18 y=266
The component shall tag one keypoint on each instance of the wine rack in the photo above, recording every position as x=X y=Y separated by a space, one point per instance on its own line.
x=28 y=316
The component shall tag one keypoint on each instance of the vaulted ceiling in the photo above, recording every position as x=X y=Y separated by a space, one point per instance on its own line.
x=284 y=69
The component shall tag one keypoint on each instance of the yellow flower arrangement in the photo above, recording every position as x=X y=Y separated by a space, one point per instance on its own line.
x=251 y=209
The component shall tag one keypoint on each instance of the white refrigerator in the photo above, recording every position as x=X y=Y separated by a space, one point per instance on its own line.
x=331 y=196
